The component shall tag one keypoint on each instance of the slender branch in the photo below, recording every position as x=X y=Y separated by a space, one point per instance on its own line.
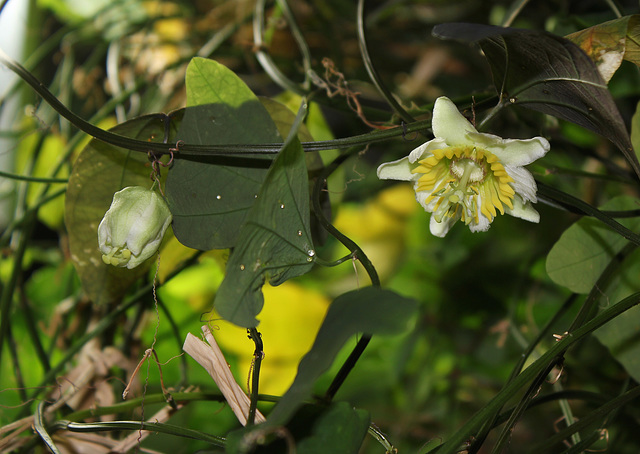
x=6 y=298
x=581 y=207
x=38 y=425
x=265 y=60
x=110 y=426
x=373 y=74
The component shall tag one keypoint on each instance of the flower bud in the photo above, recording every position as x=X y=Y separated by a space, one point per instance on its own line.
x=133 y=227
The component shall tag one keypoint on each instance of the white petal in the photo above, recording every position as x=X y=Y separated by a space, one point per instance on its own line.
x=424 y=150
x=523 y=211
x=440 y=229
x=514 y=152
x=449 y=124
x=396 y=170
x=422 y=196
x=483 y=222
x=524 y=184
x=482 y=225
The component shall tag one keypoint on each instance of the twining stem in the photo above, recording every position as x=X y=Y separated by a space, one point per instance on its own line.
x=187 y=149
x=356 y=253
x=373 y=74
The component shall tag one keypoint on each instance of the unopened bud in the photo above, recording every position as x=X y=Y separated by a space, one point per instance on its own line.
x=132 y=229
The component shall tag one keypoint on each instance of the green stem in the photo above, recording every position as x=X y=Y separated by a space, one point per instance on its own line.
x=586 y=312
x=549 y=357
x=357 y=253
x=265 y=59
x=13 y=176
x=373 y=74
x=590 y=305
x=8 y=291
x=595 y=417
x=513 y=12
x=576 y=205
x=17 y=371
x=492 y=422
x=34 y=333
x=132 y=404
x=111 y=426
x=201 y=150
x=299 y=38
x=614 y=8
x=38 y=425
x=178 y=337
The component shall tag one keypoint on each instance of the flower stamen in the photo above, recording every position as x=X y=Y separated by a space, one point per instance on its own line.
x=466 y=181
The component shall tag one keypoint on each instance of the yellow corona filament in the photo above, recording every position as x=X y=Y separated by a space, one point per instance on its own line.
x=467 y=181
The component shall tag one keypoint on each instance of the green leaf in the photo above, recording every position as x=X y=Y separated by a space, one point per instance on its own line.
x=549 y=74
x=369 y=310
x=338 y=428
x=209 y=197
x=607 y=44
x=341 y=428
x=275 y=241
x=99 y=172
x=284 y=118
x=585 y=249
x=620 y=335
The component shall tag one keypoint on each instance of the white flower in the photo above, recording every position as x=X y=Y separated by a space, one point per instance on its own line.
x=465 y=175
x=133 y=227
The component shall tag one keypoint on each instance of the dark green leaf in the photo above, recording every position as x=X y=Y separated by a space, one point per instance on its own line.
x=549 y=74
x=585 y=249
x=369 y=310
x=275 y=241
x=620 y=335
x=209 y=197
x=99 y=172
x=342 y=428
x=339 y=428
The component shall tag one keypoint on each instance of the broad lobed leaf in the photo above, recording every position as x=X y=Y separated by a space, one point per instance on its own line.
x=209 y=197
